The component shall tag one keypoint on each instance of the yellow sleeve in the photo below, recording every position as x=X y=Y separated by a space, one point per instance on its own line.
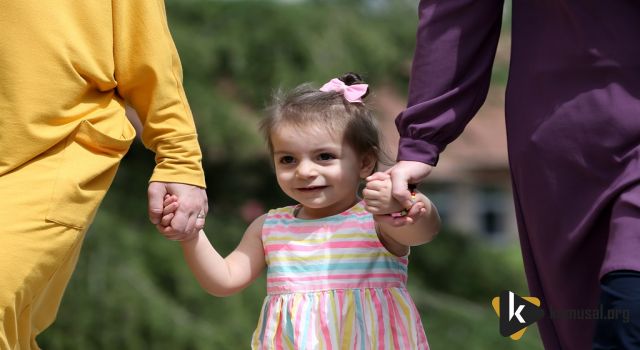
x=149 y=77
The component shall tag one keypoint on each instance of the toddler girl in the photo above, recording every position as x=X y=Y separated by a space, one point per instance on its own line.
x=336 y=274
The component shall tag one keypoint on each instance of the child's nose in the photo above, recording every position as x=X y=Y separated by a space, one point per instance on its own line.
x=306 y=169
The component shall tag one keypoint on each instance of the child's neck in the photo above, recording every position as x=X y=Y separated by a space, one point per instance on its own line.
x=307 y=213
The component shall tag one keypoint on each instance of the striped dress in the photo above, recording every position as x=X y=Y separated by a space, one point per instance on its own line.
x=331 y=284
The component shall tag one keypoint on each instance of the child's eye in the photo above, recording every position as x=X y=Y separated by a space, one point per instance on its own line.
x=326 y=156
x=286 y=160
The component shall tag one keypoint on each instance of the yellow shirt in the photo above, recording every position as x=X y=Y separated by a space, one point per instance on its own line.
x=66 y=63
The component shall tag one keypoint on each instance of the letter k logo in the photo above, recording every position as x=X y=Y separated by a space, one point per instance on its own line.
x=522 y=312
x=511 y=306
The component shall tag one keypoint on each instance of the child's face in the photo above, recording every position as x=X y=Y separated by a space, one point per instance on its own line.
x=318 y=169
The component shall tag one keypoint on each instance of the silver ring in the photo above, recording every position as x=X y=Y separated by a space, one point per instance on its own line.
x=201 y=216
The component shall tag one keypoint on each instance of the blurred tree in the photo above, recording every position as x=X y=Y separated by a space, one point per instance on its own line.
x=235 y=54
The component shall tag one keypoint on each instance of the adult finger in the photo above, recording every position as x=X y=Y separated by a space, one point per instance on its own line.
x=206 y=203
x=199 y=224
x=400 y=189
x=171 y=234
x=166 y=231
x=155 y=194
x=405 y=173
x=389 y=220
x=200 y=220
x=415 y=211
x=191 y=224
x=180 y=220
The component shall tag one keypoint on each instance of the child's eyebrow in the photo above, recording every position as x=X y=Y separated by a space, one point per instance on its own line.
x=282 y=153
x=317 y=150
x=328 y=149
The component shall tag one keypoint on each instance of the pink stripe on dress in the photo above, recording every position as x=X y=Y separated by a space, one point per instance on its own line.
x=327 y=245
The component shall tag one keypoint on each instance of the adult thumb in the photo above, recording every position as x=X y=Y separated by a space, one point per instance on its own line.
x=400 y=190
x=155 y=193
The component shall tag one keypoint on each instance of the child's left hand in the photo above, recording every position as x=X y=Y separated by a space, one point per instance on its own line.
x=380 y=202
x=378 y=197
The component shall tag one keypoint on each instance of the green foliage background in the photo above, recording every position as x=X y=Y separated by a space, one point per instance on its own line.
x=132 y=289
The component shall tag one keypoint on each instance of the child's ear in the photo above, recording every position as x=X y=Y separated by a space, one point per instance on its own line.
x=368 y=165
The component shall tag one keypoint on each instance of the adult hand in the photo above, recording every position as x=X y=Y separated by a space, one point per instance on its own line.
x=417 y=210
x=405 y=173
x=190 y=216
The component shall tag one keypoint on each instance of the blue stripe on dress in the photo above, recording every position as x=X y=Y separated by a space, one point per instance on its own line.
x=382 y=265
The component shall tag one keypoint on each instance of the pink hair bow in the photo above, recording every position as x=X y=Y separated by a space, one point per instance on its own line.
x=352 y=93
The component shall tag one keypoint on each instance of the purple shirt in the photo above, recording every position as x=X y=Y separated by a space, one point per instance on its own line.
x=573 y=130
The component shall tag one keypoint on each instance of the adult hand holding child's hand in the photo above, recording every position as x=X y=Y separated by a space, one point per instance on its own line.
x=189 y=217
x=379 y=201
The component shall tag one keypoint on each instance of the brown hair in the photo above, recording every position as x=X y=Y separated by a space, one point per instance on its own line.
x=306 y=106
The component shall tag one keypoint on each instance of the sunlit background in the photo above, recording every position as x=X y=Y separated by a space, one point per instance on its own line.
x=132 y=289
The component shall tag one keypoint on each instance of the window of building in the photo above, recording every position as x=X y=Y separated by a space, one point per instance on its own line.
x=492 y=211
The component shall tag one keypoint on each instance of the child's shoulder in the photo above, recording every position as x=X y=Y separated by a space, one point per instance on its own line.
x=282 y=212
x=359 y=209
x=289 y=213
x=285 y=209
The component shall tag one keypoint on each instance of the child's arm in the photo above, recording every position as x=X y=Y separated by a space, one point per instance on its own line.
x=226 y=276
x=217 y=275
x=398 y=238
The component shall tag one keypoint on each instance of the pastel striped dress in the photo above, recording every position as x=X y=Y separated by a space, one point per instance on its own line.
x=331 y=284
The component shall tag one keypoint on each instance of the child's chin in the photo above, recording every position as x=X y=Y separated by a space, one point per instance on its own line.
x=319 y=204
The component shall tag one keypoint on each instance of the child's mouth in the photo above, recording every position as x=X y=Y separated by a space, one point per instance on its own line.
x=311 y=188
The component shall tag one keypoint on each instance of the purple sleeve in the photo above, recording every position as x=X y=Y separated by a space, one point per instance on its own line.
x=455 y=47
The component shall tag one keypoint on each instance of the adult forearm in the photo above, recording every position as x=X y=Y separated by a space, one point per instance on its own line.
x=455 y=46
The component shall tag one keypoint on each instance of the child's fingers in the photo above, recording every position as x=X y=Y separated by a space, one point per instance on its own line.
x=378 y=176
x=374 y=193
x=171 y=208
x=168 y=199
x=169 y=233
x=166 y=219
x=373 y=209
x=370 y=195
x=375 y=185
x=166 y=231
